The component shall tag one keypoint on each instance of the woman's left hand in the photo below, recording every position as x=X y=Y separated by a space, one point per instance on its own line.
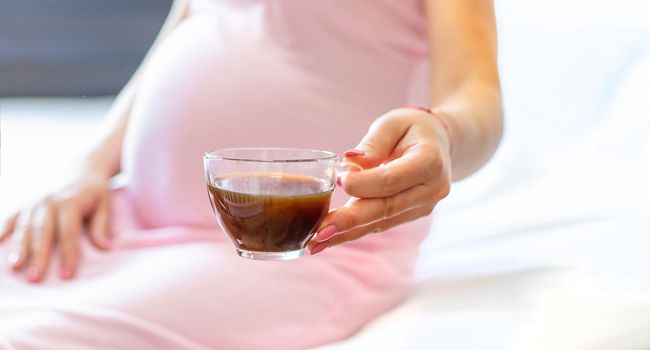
x=405 y=170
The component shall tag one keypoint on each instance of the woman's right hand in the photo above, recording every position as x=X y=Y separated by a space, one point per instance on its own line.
x=59 y=217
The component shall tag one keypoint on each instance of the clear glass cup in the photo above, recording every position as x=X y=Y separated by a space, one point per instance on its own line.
x=270 y=201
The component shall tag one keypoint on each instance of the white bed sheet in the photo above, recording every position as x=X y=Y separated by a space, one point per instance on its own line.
x=547 y=247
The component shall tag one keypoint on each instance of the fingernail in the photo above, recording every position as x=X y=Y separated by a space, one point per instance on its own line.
x=319 y=247
x=13 y=259
x=66 y=273
x=326 y=233
x=32 y=274
x=353 y=152
x=338 y=181
x=105 y=244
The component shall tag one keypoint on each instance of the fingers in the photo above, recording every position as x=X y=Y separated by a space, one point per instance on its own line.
x=365 y=211
x=42 y=228
x=400 y=150
x=415 y=167
x=20 y=242
x=378 y=144
x=8 y=226
x=376 y=227
x=68 y=230
x=403 y=171
x=98 y=226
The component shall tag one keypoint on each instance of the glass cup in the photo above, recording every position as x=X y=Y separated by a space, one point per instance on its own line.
x=270 y=201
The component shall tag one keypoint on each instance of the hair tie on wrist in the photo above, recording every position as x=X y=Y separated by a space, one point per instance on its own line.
x=419 y=108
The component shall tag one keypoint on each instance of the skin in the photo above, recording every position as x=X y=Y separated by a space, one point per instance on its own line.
x=81 y=202
x=414 y=146
x=421 y=152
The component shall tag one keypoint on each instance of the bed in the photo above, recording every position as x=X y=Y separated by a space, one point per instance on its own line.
x=548 y=246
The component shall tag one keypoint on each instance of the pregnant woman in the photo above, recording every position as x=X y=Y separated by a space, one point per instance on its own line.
x=333 y=75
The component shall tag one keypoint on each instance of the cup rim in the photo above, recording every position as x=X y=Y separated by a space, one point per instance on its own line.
x=325 y=155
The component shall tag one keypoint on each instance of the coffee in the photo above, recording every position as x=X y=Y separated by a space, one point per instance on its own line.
x=270 y=212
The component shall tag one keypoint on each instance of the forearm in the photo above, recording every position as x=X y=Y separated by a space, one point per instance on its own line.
x=464 y=79
x=475 y=118
x=104 y=157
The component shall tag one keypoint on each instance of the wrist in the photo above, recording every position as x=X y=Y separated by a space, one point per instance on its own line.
x=444 y=122
x=98 y=164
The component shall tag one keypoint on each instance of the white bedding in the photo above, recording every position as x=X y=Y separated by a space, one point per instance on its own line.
x=548 y=247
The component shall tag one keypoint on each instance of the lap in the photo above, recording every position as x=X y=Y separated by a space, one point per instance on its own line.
x=191 y=295
x=156 y=291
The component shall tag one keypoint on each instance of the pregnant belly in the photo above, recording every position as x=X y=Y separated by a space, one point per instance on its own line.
x=205 y=90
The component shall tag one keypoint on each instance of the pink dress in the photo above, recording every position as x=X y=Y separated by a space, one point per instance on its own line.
x=283 y=73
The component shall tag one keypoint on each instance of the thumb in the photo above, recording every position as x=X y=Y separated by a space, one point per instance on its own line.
x=378 y=144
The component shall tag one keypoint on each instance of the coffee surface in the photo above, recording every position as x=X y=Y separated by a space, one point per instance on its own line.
x=270 y=212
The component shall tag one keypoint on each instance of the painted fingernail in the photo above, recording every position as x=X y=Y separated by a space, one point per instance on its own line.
x=66 y=273
x=353 y=152
x=32 y=274
x=319 y=247
x=104 y=243
x=326 y=233
x=338 y=181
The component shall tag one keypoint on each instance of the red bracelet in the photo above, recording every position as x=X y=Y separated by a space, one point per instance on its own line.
x=442 y=121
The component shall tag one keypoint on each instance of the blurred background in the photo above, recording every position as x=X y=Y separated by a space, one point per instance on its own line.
x=74 y=47
x=566 y=192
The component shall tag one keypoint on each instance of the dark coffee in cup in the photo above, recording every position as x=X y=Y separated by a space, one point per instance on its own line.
x=270 y=212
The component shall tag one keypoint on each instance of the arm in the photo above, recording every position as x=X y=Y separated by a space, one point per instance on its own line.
x=465 y=86
x=82 y=201
x=104 y=158
x=421 y=151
